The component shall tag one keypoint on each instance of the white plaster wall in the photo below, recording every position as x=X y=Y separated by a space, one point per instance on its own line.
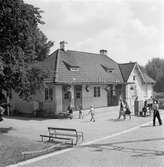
x=139 y=85
x=58 y=97
x=88 y=98
x=28 y=107
x=150 y=90
x=141 y=89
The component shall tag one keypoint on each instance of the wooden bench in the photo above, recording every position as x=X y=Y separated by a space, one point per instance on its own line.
x=50 y=138
x=67 y=134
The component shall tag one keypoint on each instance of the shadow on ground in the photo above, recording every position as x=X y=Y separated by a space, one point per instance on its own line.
x=136 y=152
x=5 y=130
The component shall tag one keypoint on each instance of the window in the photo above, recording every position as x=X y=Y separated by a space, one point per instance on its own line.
x=146 y=91
x=74 y=68
x=96 y=91
x=134 y=77
x=71 y=67
x=48 y=94
x=107 y=69
x=66 y=95
x=114 y=90
x=78 y=95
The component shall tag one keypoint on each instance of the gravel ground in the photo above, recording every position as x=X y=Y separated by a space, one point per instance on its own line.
x=23 y=134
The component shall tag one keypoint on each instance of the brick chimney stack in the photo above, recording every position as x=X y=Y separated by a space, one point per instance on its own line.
x=103 y=52
x=62 y=45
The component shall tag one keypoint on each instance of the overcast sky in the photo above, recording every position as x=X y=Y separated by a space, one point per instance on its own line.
x=131 y=30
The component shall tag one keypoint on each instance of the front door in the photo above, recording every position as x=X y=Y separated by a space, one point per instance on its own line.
x=113 y=95
x=78 y=96
x=109 y=96
x=66 y=96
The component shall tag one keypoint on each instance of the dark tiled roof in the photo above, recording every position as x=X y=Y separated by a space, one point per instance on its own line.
x=126 y=70
x=93 y=68
x=49 y=65
x=90 y=68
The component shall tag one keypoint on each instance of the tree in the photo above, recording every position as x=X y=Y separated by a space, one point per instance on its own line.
x=21 y=44
x=42 y=45
x=155 y=69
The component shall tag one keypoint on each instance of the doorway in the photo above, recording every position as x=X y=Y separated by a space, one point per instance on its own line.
x=78 y=96
x=66 y=96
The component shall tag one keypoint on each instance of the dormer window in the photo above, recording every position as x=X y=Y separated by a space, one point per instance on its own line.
x=71 y=67
x=134 y=77
x=107 y=69
x=74 y=68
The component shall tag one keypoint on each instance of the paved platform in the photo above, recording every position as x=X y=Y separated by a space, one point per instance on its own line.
x=106 y=125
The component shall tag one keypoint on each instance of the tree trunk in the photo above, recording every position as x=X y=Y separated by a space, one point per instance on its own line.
x=8 y=102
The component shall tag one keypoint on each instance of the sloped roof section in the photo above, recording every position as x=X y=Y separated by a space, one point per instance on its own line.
x=147 y=79
x=126 y=70
x=90 y=68
x=49 y=66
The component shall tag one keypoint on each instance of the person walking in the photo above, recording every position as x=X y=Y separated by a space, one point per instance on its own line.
x=122 y=109
x=80 y=113
x=156 y=112
x=70 y=111
x=92 y=112
x=127 y=112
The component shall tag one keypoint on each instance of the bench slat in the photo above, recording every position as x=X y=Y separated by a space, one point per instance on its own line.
x=57 y=133
x=54 y=137
x=64 y=129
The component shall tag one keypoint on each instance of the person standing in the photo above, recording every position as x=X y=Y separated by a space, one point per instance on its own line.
x=80 y=113
x=92 y=112
x=70 y=111
x=156 y=112
x=122 y=109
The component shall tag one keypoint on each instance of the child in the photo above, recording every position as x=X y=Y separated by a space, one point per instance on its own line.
x=92 y=112
x=80 y=112
x=122 y=109
x=70 y=112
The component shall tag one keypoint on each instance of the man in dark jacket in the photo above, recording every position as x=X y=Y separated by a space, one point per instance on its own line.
x=156 y=112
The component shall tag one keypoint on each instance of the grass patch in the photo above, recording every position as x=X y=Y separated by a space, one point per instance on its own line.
x=11 y=148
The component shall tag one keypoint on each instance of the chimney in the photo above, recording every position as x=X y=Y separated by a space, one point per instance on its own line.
x=103 y=52
x=62 y=45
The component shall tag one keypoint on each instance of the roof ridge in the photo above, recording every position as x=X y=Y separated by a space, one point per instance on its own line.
x=127 y=63
x=95 y=54
x=83 y=52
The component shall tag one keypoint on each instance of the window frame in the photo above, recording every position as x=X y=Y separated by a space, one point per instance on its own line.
x=97 y=91
x=48 y=94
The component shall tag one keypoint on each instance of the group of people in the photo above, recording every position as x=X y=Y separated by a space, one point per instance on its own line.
x=124 y=109
x=81 y=116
